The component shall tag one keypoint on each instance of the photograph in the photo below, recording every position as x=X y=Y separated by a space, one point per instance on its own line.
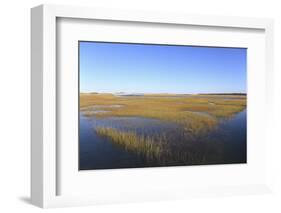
x=159 y=105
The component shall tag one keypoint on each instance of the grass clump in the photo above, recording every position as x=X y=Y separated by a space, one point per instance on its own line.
x=159 y=150
x=130 y=141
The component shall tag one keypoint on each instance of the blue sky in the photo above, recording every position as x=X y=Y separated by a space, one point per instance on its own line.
x=138 y=68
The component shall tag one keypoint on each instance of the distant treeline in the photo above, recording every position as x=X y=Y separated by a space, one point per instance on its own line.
x=223 y=94
x=142 y=94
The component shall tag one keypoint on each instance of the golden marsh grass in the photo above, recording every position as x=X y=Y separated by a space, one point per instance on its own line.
x=195 y=113
x=158 y=149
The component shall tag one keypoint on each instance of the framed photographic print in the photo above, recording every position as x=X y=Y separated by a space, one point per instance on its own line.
x=130 y=106
x=145 y=105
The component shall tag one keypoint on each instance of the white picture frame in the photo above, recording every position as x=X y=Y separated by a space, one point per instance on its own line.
x=44 y=154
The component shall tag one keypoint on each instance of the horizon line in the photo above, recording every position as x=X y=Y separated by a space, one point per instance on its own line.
x=164 y=92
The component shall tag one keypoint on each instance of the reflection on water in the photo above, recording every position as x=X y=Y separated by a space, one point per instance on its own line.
x=225 y=144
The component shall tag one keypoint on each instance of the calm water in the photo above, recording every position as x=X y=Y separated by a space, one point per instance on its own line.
x=227 y=143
